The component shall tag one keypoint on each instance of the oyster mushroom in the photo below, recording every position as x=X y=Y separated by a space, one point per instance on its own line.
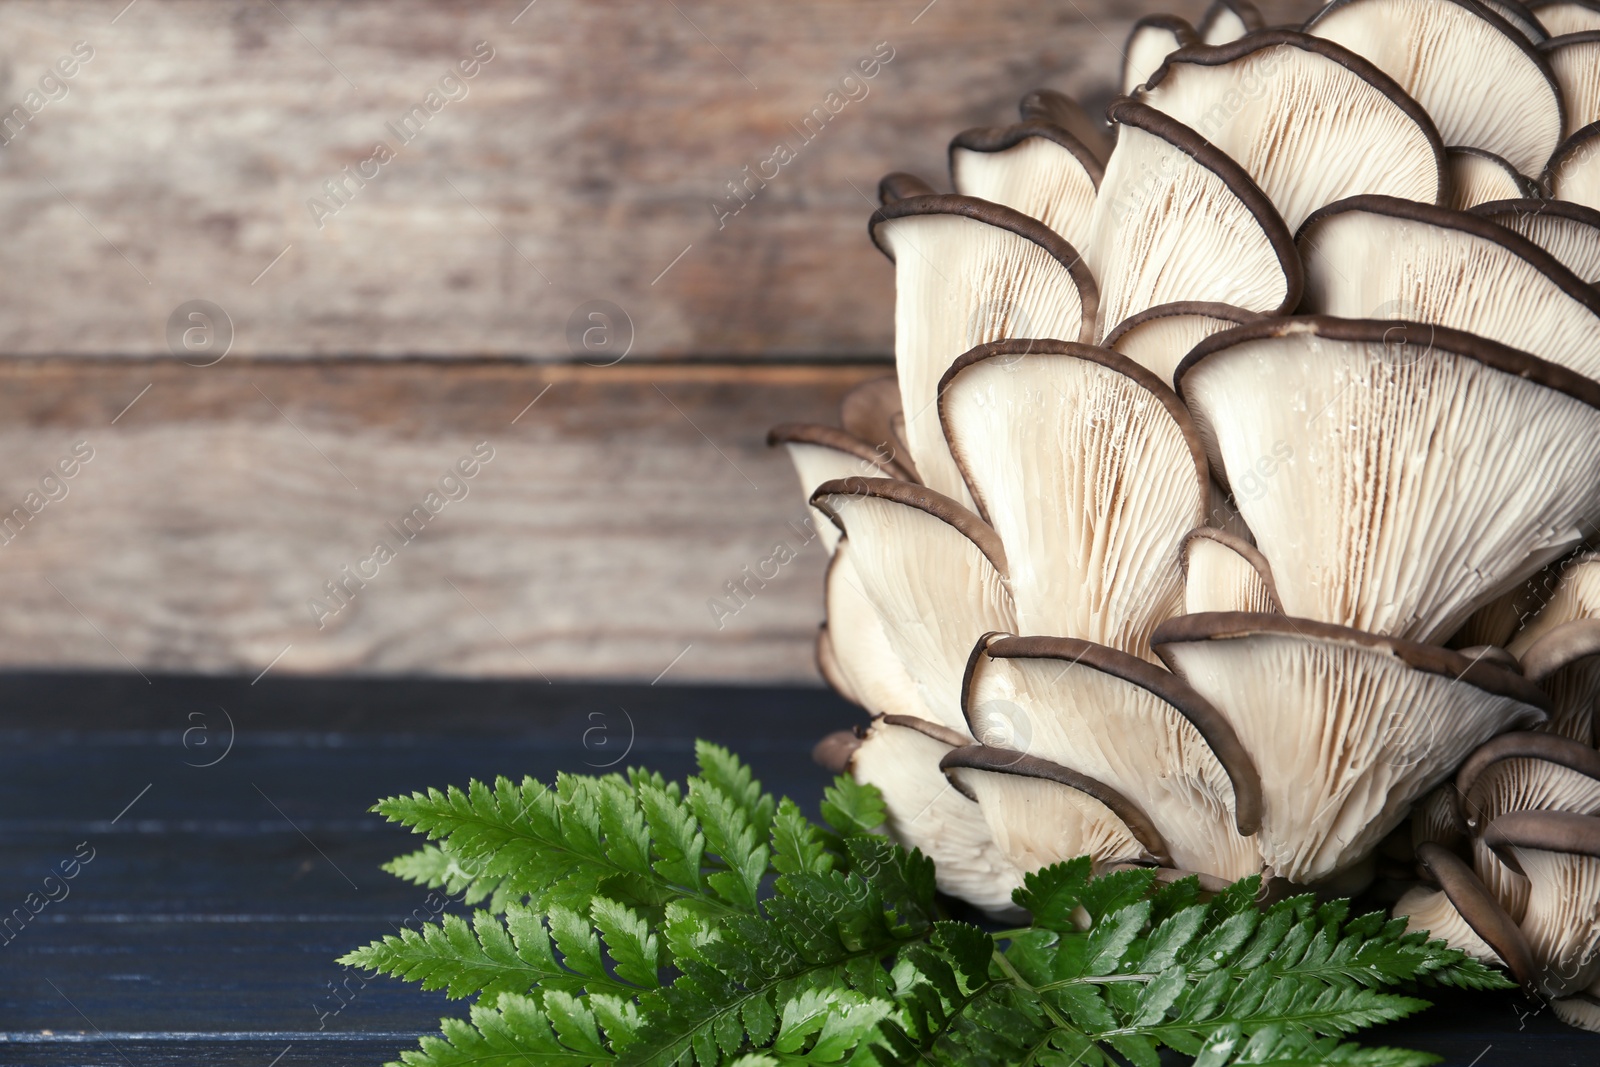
x=1522 y=772
x=1463 y=913
x=1091 y=531
x=1229 y=20
x=1224 y=572
x=1520 y=16
x=1560 y=649
x=1035 y=167
x=1458 y=270
x=1566 y=16
x=1517 y=114
x=1150 y=41
x=1354 y=728
x=901 y=756
x=1074 y=702
x=1404 y=505
x=1568 y=231
x=853 y=650
x=1559 y=853
x=1573 y=173
x=934 y=573
x=968 y=272
x=1170 y=205
x=1159 y=337
x=1260 y=100
x=1575 y=60
x=1059 y=109
x=871 y=411
x=1040 y=813
x=824 y=453
x=1477 y=177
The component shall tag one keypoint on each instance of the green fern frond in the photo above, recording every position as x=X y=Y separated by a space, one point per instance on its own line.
x=714 y=925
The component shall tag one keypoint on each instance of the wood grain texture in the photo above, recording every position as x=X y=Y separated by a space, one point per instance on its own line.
x=581 y=163
x=216 y=507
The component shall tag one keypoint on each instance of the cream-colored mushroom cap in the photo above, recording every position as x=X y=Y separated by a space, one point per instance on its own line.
x=1382 y=258
x=1346 y=728
x=934 y=573
x=1478 y=177
x=1405 y=503
x=825 y=453
x=901 y=757
x=1310 y=122
x=1090 y=470
x=1131 y=725
x=1568 y=231
x=1178 y=220
x=968 y=272
x=1517 y=114
x=1037 y=168
x=1224 y=572
x=1040 y=813
x=1559 y=852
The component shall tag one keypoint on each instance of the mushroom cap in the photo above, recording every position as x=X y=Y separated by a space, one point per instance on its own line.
x=1517 y=115
x=1158 y=338
x=1150 y=41
x=1476 y=177
x=1575 y=60
x=899 y=185
x=833 y=752
x=1436 y=819
x=1468 y=917
x=1559 y=852
x=1574 y=690
x=1059 y=109
x=901 y=757
x=1041 y=813
x=1035 y=167
x=1429 y=911
x=1581 y=1010
x=1523 y=771
x=1521 y=17
x=1573 y=173
x=1525 y=745
x=1568 y=231
x=1382 y=258
x=1171 y=207
x=1229 y=20
x=1560 y=646
x=824 y=453
x=1224 y=572
x=1090 y=470
x=1573 y=595
x=1310 y=121
x=1390 y=719
x=1130 y=725
x=1566 y=16
x=871 y=411
x=934 y=573
x=854 y=652
x=1402 y=505
x=972 y=272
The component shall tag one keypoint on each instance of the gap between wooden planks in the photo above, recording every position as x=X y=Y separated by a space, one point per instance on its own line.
x=221 y=500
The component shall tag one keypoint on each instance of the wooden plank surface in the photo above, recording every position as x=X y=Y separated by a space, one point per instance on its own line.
x=218 y=503
x=205 y=927
x=581 y=162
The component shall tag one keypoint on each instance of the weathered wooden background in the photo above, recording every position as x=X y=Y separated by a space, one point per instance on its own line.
x=186 y=159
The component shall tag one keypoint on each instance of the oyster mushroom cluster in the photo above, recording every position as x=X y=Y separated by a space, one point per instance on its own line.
x=1224 y=436
x=1510 y=846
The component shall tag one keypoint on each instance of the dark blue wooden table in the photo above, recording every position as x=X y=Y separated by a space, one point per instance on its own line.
x=233 y=857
